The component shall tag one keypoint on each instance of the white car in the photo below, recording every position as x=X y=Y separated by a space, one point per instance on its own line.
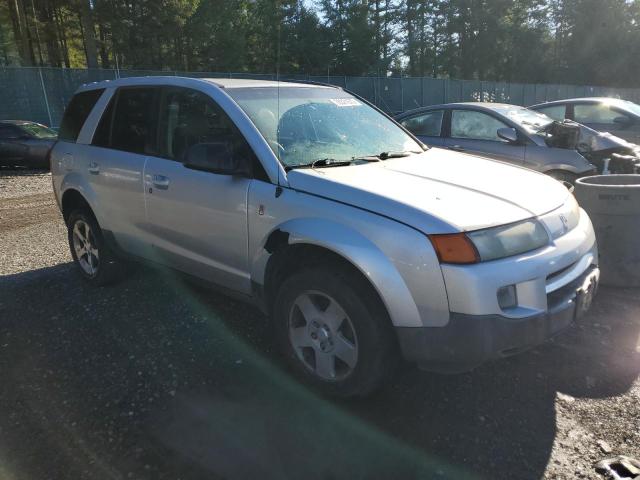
x=360 y=243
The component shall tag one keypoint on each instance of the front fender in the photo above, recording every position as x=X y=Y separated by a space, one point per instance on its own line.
x=359 y=251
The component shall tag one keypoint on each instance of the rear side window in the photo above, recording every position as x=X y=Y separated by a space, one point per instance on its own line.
x=426 y=124
x=135 y=121
x=102 y=136
x=556 y=112
x=9 y=132
x=76 y=114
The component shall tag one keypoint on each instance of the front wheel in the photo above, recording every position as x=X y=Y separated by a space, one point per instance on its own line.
x=95 y=260
x=334 y=332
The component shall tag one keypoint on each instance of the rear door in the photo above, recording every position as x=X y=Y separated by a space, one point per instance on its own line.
x=197 y=220
x=427 y=126
x=475 y=132
x=126 y=134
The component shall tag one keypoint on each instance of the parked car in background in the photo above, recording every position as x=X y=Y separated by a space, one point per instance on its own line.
x=25 y=144
x=514 y=134
x=360 y=242
x=619 y=117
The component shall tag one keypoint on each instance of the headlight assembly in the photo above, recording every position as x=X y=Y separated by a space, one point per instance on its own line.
x=491 y=243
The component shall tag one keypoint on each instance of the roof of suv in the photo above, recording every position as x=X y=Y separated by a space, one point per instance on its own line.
x=227 y=83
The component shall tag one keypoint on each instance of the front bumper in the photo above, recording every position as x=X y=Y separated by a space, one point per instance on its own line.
x=469 y=340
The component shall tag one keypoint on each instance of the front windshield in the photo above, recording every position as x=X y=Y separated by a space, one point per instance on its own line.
x=38 y=131
x=305 y=124
x=530 y=120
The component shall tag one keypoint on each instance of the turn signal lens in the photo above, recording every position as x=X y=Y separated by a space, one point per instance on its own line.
x=455 y=248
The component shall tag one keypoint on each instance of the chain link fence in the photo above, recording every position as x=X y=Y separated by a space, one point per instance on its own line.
x=41 y=94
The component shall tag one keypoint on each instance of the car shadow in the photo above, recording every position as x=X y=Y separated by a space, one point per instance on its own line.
x=15 y=171
x=152 y=378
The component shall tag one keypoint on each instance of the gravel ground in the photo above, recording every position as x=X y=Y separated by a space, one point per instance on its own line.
x=153 y=379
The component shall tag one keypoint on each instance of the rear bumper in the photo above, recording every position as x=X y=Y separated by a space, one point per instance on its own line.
x=469 y=340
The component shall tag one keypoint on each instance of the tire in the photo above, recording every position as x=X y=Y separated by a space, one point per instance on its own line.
x=98 y=266
x=359 y=352
x=563 y=176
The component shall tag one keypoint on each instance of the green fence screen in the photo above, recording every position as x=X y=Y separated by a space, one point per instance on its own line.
x=41 y=94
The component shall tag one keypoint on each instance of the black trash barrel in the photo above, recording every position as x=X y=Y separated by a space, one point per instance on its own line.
x=613 y=203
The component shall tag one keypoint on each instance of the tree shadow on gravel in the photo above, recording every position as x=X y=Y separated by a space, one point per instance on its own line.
x=154 y=379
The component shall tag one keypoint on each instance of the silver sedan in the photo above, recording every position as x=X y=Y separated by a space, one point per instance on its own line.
x=563 y=149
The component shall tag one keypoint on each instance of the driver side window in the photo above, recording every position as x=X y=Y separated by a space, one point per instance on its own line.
x=595 y=113
x=189 y=117
x=475 y=125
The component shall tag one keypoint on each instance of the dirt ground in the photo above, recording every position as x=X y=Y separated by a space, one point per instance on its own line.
x=154 y=379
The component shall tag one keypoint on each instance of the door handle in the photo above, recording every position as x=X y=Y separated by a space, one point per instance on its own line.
x=456 y=148
x=161 y=182
x=94 y=168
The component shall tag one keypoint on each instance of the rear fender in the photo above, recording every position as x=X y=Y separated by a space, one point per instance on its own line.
x=76 y=181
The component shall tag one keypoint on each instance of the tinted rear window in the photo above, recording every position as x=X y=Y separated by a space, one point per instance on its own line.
x=102 y=136
x=76 y=114
x=135 y=121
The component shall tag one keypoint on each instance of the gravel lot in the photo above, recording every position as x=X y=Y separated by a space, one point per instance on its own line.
x=154 y=379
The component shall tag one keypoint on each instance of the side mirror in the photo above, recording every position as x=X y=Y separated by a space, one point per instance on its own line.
x=622 y=121
x=215 y=157
x=508 y=134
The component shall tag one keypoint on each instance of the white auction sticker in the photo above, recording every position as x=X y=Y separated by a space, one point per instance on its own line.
x=345 y=102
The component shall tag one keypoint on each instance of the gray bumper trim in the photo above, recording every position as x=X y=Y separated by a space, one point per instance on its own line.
x=469 y=340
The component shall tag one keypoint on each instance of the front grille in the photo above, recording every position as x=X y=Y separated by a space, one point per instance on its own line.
x=551 y=277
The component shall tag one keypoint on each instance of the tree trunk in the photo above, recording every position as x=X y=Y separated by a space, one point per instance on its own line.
x=104 y=55
x=88 y=34
x=21 y=32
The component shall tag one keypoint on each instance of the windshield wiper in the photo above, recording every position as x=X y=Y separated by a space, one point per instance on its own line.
x=321 y=162
x=387 y=155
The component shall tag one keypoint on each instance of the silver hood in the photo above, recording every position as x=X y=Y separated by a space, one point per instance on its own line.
x=438 y=191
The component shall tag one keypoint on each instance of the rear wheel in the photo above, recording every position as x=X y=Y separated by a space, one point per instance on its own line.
x=93 y=257
x=334 y=331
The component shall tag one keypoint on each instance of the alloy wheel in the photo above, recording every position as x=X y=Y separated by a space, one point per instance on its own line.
x=86 y=250
x=323 y=336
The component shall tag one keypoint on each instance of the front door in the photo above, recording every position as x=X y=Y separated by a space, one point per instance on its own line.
x=196 y=220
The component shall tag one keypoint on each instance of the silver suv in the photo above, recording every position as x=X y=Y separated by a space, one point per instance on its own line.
x=359 y=242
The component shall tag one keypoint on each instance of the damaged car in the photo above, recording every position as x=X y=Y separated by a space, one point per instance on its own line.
x=361 y=244
x=604 y=114
x=565 y=150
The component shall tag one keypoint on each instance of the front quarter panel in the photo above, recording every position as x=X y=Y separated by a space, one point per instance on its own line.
x=545 y=159
x=398 y=260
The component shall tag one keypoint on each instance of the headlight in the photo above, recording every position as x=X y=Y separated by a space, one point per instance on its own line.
x=491 y=243
x=509 y=240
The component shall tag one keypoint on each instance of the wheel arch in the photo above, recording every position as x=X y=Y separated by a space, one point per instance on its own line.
x=71 y=200
x=300 y=243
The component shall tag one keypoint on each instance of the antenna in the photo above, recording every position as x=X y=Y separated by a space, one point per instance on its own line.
x=279 y=36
